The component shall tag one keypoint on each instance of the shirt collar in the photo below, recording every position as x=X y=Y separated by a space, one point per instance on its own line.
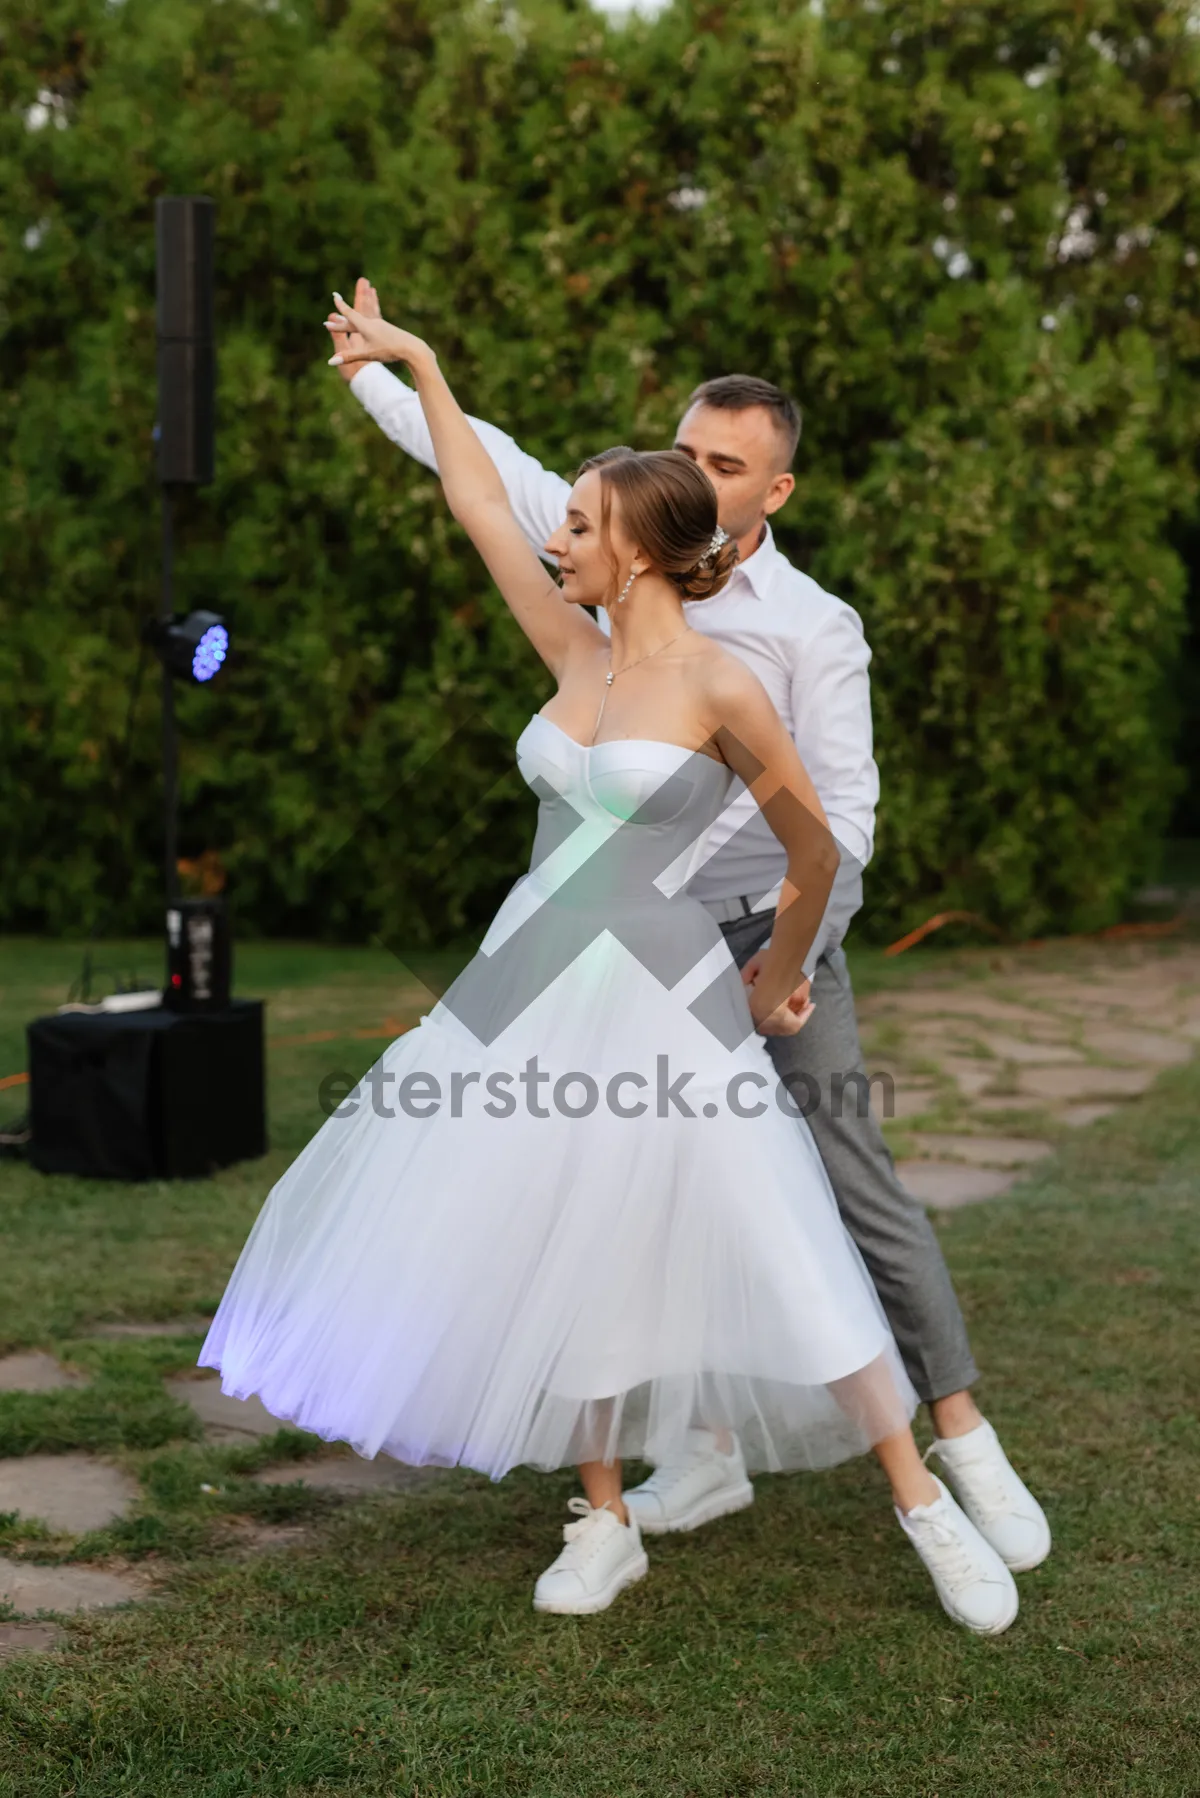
x=758 y=569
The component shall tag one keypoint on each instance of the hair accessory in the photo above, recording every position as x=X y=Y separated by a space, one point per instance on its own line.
x=718 y=538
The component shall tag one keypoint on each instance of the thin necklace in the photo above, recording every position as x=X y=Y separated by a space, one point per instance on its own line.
x=612 y=674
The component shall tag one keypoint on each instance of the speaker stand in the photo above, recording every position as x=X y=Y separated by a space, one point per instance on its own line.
x=170 y=736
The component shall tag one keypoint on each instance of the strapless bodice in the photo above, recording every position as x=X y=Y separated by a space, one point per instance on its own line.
x=632 y=809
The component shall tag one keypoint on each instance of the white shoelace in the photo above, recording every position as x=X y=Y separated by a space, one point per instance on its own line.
x=989 y=1497
x=986 y=1481
x=958 y=1568
x=582 y=1538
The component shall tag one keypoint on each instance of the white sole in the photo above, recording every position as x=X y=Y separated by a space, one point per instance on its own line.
x=706 y=1510
x=977 y=1629
x=628 y=1575
x=1024 y=1566
x=1013 y=1566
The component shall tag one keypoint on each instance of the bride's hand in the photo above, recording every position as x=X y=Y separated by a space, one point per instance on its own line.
x=366 y=301
x=790 y=1015
x=366 y=339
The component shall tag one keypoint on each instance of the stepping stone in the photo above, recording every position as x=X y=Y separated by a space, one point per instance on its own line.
x=1101 y=1002
x=225 y=1419
x=1012 y=1048
x=29 y=1588
x=351 y=1476
x=954 y=1002
x=1050 y=1030
x=970 y=1076
x=934 y=1042
x=947 y=1184
x=945 y=1030
x=1138 y=1046
x=70 y=1494
x=179 y=1326
x=1079 y=1116
x=27 y=1638
x=1102 y=995
x=1086 y=1083
x=1006 y=1102
x=33 y=1371
x=910 y=1099
x=984 y=1151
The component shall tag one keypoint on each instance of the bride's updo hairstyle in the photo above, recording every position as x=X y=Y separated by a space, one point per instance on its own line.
x=669 y=508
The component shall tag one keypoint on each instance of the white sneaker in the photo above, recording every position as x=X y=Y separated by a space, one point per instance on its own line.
x=995 y=1498
x=683 y=1494
x=602 y=1556
x=974 y=1585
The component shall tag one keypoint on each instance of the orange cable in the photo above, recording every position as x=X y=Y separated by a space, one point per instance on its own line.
x=935 y=923
x=1111 y=931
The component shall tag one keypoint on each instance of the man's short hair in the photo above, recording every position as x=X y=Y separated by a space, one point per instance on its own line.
x=738 y=393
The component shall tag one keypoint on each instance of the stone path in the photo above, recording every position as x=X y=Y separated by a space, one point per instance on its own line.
x=944 y=1187
x=982 y=1151
x=30 y=1588
x=71 y=1494
x=177 y=1326
x=228 y=1419
x=34 y=1371
x=224 y=1419
x=993 y=1058
x=27 y=1638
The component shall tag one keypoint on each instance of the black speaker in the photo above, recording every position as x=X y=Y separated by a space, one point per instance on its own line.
x=199 y=956
x=186 y=361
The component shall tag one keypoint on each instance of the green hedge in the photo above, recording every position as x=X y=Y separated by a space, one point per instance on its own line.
x=962 y=235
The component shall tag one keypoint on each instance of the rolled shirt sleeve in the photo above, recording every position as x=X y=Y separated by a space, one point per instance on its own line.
x=831 y=712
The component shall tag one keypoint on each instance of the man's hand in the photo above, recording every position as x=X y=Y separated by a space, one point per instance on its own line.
x=789 y=1016
x=366 y=302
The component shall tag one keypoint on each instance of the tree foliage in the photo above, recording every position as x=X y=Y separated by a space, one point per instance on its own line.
x=965 y=236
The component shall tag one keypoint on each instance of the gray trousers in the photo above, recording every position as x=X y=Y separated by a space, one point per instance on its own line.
x=893 y=1234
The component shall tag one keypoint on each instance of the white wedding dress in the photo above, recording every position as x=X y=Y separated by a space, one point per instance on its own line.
x=464 y=1281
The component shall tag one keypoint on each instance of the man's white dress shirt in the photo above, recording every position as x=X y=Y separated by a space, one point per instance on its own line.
x=806 y=647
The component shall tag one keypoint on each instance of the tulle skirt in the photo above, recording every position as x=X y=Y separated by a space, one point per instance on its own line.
x=516 y=1267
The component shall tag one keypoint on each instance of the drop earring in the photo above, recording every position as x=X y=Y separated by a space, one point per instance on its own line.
x=626 y=587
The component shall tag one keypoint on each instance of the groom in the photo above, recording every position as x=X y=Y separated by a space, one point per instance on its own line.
x=808 y=650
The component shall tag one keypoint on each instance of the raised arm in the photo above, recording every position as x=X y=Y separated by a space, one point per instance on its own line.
x=474 y=490
x=537 y=496
x=753 y=740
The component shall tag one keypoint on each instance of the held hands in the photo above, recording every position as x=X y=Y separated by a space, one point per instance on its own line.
x=363 y=336
x=790 y=1015
x=366 y=301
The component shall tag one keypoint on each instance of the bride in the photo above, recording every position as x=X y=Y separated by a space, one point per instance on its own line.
x=578 y=1220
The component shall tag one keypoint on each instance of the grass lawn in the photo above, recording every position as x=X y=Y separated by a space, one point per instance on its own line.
x=795 y=1649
